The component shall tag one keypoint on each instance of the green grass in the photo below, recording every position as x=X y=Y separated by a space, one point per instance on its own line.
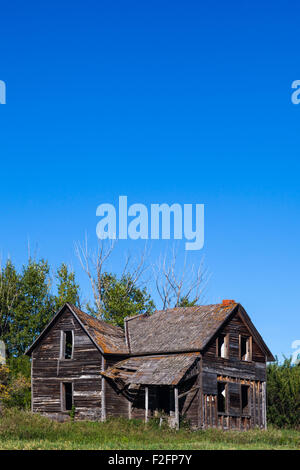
x=24 y=430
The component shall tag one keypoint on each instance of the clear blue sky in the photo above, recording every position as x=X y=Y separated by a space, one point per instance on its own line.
x=163 y=101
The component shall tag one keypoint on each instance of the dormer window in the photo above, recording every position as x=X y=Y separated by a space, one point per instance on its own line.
x=223 y=346
x=67 y=345
x=245 y=348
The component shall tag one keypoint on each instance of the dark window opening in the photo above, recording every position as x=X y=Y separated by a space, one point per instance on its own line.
x=222 y=344
x=163 y=399
x=221 y=397
x=245 y=349
x=245 y=398
x=68 y=395
x=68 y=340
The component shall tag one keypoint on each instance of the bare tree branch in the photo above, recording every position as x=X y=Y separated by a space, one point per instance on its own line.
x=177 y=283
x=94 y=263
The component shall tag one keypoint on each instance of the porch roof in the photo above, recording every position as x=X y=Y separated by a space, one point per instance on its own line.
x=151 y=370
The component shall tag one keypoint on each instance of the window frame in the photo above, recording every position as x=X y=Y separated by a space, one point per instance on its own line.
x=248 y=348
x=226 y=345
x=63 y=395
x=63 y=345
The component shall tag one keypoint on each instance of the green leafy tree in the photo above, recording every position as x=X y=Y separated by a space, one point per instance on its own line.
x=27 y=303
x=67 y=288
x=34 y=307
x=121 y=298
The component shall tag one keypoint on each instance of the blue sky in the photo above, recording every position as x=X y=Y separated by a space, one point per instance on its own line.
x=163 y=102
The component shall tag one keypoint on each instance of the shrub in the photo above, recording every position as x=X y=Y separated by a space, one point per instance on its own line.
x=15 y=384
x=283 y=394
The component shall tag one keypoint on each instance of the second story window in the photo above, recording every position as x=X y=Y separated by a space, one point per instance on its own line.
x=223 y=346
x=245 y=348
x=67 y=345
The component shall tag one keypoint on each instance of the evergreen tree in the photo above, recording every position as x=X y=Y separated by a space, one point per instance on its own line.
x=9 y=296
x=67 y=288
x=283 y=394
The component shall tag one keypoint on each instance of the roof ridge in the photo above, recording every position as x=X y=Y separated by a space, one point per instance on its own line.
x=186 y=308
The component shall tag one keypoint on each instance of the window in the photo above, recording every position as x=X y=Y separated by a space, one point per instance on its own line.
x=245 y=399
x=67 y=396
x=223 y=346
x=245 y=348
x=222 y=393
x=67 y=345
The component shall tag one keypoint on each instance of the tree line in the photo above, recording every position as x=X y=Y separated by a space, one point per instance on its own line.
x=30 y=296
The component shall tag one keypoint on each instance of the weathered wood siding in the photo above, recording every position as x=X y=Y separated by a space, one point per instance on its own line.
x=116 y=404
x=95 y=397
x=235 y=373
x=83 y=370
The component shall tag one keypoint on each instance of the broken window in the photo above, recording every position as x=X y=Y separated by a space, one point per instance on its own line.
x=245 y=398
x=67 y=396
x=245 y=348
x=223 y=346
x=67 y=345
x=222 y=389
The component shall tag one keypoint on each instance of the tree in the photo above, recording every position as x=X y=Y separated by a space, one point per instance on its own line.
x=185 y=302
x=115 y=297
x=27 y=303
x=122 y=298
x=9 y=290
x=34 y=307
x=283 y=394
x=179 y=286
x=67 y=288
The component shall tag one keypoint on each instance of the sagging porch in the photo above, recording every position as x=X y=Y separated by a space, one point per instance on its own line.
x=164 y=387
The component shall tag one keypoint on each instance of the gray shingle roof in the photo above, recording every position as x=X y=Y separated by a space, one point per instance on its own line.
x=177 y=329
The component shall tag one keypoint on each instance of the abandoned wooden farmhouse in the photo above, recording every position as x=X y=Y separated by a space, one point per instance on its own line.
x=203 y=364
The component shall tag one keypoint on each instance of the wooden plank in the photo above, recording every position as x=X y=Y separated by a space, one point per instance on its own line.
x=189 y=391
x=264 y=405
x=103 y=402
x=146 y=403
x=176 y=407
x=254 y=403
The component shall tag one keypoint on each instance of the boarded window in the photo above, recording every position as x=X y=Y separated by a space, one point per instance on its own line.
x=245 y=348
x=245 y=399
x=67 y=345
x=222 y=389
x=67 y=396
x=223 y=346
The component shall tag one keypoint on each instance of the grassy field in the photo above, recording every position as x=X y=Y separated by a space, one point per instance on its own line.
x=23 y=430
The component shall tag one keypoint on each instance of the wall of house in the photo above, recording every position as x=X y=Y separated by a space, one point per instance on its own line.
x=83 y=371
x=116 y=404
x=233 y=372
